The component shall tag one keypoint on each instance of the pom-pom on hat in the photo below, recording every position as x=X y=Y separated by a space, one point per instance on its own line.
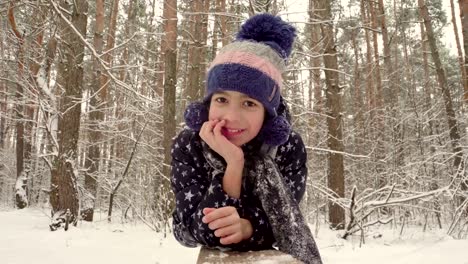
x=253 y=65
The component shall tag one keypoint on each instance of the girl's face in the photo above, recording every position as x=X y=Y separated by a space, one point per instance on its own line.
x=244 y=116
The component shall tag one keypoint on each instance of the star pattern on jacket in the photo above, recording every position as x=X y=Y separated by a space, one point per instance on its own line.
x=197 y=185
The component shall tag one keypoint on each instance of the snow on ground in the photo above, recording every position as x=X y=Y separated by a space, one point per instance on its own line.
x=26 y=239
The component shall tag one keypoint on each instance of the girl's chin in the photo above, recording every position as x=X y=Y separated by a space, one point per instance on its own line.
x=236 y=141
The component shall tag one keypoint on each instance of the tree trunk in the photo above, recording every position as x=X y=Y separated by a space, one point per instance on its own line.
x=35 y=50
x=398 y=127
x=223 y=29
x=464 y=24
x=427 y=85
x=370 y=81
x=389 y=91
x=120 y=142
x=64 y=195
x=204 y=46
x=464 y=80
x=427 y=80
x=96 y=117
x=3 y=109
x=21 y=192
x=197 y=47
x=357 y=104
x=169 y=48
x=315 y=85
x=106 y=100
x=334 y=116
x=379 y=127
x=442 y=80
x=110 y=43
x=190 y=89
x=3 y=98
x=149 y=62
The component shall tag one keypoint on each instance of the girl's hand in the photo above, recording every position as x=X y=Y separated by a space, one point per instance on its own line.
x=227 y=224
x=210 y=132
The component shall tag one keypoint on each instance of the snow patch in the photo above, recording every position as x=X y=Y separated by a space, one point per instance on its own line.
x=27 y=230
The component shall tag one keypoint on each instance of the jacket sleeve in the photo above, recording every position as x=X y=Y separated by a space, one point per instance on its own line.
x=194 y=190
x=291 y=158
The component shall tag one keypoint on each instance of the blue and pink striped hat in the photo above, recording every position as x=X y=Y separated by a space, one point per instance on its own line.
x=253 y=64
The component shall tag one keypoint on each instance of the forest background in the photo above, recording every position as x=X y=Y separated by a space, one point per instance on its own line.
x=92 y=92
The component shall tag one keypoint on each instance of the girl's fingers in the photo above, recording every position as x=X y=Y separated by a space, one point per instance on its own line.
x=207 y=127
x=231 y=239
x=206 y=131
x=224 y=221
x=203 y=129
x=217 y=128
x=208 y=210
x=219 y=213
x=227 y=231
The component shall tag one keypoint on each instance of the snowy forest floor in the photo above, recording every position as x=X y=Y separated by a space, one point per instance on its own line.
x=25 y=238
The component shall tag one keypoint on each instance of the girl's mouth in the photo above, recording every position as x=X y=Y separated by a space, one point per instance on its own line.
x=229 y=133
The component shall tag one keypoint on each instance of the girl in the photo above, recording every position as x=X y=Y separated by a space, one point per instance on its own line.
x=239 y=172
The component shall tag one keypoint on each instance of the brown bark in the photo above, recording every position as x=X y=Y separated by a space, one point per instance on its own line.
x=148 y=63
x=334 y=116
x=223 y=29
x=379 y=125
x=442 y=80
x=169 y=48
x=193 y=55
x=110 y=43
x=21 y=181
x=389 y=91
x=464 y=24
x=120 y=142
x=215 y=36
x=96 y=116
x=357 y=76
x=129 y=29
x=377 y=74
x=108 y=59
x=427 y=107
x=64 y=195
x=426 y=79
x=204 y=46
x=357 y=96
x=159 y=87
x=3 y=110
x=197 y=50
x=31 y=108
x=369 y=77
x=315 y=85
x=3 y=102
x=464 y=80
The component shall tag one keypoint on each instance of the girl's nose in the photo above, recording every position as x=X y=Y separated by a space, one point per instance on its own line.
x=232 y=114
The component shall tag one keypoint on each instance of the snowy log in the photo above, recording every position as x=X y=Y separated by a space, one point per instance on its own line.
x=210 y=256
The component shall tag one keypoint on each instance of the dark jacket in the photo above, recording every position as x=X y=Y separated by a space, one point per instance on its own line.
x=197 y=185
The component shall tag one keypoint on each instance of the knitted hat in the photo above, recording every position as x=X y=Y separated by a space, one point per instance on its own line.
x=252 y=65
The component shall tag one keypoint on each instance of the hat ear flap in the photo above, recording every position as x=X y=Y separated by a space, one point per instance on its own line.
x=275 y=131
x=195 y=115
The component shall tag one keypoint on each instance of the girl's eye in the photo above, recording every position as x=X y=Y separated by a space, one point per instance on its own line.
x=249 y=104
x=220 y=100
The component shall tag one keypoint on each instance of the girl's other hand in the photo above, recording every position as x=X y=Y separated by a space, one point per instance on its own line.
x=227 y=224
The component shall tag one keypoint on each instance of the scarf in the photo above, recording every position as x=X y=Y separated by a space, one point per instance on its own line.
x=290 y=230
